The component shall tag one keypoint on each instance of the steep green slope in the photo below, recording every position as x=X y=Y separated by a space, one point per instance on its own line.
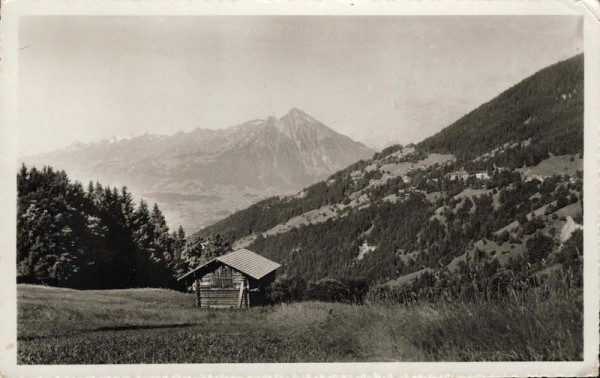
x=445 y=203
x=272 y=211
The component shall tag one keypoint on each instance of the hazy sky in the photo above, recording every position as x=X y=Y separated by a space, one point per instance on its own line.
x=376 y=79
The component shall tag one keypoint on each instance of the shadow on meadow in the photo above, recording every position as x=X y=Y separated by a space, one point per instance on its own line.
x=62 y=326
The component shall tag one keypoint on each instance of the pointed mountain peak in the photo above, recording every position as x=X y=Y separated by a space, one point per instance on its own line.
x=295 y=111
x=298 y=119
x=298 y=114
x=297 y=124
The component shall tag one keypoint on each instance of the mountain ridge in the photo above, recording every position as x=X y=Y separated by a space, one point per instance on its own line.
x=272 y=155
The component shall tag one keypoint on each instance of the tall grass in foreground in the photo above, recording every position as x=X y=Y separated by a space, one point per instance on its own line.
x=544 y=322
x=129 y=326
x=522 y=328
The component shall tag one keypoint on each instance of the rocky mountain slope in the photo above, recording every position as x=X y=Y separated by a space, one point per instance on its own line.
x=497 y=192
x=200 y=176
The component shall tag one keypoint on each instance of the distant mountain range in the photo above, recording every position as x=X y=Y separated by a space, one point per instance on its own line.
x=200 y=176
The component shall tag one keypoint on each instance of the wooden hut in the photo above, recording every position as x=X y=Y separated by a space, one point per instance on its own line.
x=237 y=279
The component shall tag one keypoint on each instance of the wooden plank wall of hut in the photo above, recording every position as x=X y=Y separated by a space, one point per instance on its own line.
x=221 y=289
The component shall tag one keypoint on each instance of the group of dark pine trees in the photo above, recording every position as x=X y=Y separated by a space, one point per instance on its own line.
x=97 y=237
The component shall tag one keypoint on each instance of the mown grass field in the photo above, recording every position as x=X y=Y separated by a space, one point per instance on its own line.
x=63 y=326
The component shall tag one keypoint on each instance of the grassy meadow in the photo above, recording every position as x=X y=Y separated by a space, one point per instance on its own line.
x=64 y=326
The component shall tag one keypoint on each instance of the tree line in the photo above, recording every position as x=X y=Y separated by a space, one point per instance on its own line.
x=98 y=237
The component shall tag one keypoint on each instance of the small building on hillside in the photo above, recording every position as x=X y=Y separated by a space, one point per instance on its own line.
x=234 y=280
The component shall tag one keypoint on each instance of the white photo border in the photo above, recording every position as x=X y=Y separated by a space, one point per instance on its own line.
x=12 y=10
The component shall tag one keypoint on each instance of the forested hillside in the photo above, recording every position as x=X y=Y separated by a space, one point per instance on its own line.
x=546 y=108
x=495 y=196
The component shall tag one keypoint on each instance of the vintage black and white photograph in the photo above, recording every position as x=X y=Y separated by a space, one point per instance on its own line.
x=212 y=189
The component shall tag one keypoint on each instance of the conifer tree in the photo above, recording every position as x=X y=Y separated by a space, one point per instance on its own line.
x=127 y=208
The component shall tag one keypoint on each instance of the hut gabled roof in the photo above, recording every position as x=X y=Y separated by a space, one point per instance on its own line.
x=249 y=263
x=242 y=260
